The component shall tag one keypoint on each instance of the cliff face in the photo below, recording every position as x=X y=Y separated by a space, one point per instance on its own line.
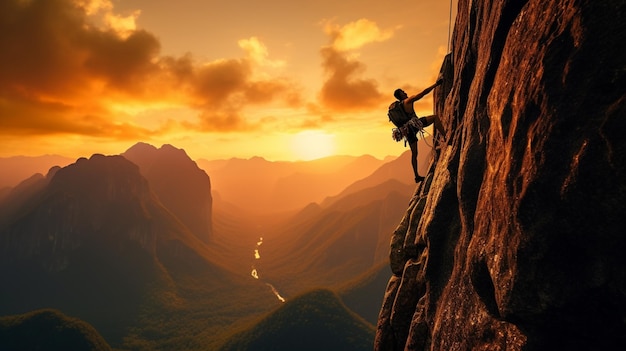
x=515 y=241
x=180 y=185
x=78 y=204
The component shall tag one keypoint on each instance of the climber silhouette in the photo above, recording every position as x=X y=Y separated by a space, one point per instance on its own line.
x=411 y=128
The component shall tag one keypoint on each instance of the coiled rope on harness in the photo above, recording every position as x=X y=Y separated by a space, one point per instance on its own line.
x=400 y=133
x=413 y=124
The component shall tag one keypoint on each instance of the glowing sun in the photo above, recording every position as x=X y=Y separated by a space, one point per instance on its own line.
x=312 y=144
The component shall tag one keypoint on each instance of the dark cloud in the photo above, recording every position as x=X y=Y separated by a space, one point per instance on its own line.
x=215 y=83
x=224 y=88
x=55 y=66
x=344 y=90
x=38 y=45
x=268 y=90
x=59 y=73
x=180 y=69
x=221 y=121
x=122 y=63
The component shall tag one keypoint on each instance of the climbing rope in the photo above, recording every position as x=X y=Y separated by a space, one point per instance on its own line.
x=423 y=134
x=449 y=25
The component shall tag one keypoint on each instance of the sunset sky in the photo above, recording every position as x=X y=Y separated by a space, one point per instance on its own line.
x=284 y=80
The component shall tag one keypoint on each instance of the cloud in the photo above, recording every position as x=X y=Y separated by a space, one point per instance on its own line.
x=216 y=82
x=93 y=7
x=25 y=117
x=356 y=34
x=102 y=10
x=344 y=89
x=55 y=64
x=258 y=52
x=69 y=67
x=225 y=89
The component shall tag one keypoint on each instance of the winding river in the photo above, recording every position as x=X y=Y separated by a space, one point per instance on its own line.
x=255 y=273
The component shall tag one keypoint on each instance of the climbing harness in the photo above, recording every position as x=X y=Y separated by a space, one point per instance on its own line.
x=400 y=133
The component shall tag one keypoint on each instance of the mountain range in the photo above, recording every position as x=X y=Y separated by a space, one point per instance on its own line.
x=135 y=245
x=258 y=186
x=97 y=243
x=17 y=168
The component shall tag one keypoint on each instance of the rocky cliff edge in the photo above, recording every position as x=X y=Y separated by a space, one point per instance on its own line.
x=515 y=240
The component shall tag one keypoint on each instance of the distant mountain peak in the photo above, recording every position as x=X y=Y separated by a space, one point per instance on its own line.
x=88 y=175
x=141 y=146
x=179 y=183
x=173 y=149
x=52 y=171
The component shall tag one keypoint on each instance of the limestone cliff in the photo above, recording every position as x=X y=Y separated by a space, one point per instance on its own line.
x=516 y=240
x=179 y=183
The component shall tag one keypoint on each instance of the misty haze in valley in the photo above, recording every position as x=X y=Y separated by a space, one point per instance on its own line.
x=153 y=250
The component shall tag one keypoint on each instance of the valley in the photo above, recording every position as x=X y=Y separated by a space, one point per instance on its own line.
x=156 y=257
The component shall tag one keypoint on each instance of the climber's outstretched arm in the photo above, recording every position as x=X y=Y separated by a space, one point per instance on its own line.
x=412 y=99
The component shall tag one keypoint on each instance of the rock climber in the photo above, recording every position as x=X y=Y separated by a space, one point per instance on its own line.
x=413 y=124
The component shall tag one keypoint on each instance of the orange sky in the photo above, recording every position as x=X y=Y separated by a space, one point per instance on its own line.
x=284 y=80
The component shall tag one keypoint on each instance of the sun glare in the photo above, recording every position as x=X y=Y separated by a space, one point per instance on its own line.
x=312 y=144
